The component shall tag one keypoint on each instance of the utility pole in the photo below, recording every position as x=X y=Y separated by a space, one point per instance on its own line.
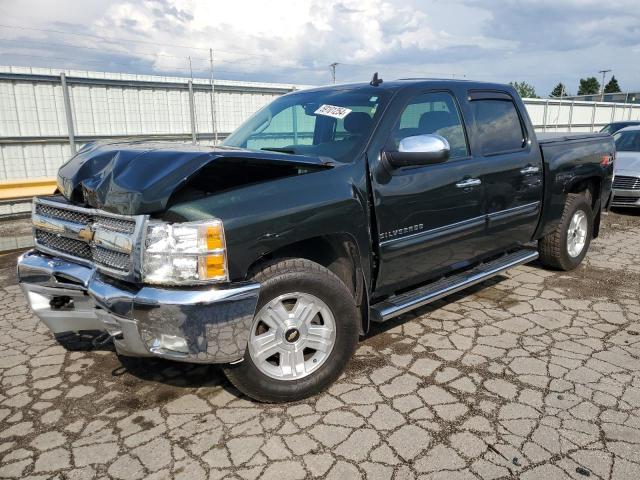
x=604 y=74
x=333 y=71
x=213 y=101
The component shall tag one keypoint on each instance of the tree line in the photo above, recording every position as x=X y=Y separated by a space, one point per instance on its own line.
x=587 y=86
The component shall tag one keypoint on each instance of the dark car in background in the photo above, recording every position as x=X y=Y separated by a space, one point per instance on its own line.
x=615 y=126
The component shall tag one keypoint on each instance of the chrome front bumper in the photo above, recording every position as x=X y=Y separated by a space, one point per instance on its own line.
x=201 y=325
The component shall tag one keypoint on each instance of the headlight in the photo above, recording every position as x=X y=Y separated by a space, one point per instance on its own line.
x=184 y=253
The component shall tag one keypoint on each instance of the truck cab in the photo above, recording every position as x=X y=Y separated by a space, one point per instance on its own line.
x=484 y=197
x=327 y=210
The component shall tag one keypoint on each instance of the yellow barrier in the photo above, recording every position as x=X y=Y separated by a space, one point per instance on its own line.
x=15 y=189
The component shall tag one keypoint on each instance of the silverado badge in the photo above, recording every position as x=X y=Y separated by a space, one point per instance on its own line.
x=401 y=231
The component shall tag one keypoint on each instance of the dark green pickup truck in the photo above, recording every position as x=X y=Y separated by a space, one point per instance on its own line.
x=328 y=209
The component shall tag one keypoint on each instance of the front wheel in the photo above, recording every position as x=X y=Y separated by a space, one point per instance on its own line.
x=303 y=334
x=567 y=245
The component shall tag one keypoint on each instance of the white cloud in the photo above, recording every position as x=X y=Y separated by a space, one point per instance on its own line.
x=540 y=41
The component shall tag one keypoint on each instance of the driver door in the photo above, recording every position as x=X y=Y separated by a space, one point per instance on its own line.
x=430 y=218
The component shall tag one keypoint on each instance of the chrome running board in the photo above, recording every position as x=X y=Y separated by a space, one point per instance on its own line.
x=405 y=302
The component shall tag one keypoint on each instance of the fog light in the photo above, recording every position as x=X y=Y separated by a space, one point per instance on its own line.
x=170 y=342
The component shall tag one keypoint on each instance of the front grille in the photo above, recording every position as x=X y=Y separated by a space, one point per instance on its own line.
x=68 y=246
x=68 y=215
x=68 y=230
x=622 y=182
x=626 y=200
x=115 y=224
x=111 y=259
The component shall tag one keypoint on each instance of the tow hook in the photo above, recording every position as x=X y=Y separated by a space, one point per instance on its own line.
x=60 y=303
x=102 y=339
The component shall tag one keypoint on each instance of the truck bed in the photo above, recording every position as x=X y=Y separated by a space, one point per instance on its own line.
x=570 y=160
x=554 y=137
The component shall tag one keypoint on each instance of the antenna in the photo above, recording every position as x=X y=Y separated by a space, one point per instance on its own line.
x=375 y=81
x=333 y=71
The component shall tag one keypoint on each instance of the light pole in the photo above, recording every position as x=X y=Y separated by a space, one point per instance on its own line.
x=213 y=101
x=333 y=71
x=604 y=74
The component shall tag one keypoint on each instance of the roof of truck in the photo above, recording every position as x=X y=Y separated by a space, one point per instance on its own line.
x=413 y=82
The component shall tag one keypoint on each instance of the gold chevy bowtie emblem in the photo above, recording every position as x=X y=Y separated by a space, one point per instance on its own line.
x=292 y=335
x=86 y=234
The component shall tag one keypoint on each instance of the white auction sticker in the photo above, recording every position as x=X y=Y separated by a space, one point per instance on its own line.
x=333 y=111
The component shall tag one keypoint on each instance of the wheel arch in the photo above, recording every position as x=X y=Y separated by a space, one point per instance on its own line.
x=339 y=253
x=592 y=187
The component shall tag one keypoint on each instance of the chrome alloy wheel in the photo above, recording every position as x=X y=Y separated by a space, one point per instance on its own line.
x=577 y=233
x=292 y=336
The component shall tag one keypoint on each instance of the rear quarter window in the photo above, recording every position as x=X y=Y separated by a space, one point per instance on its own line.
x=498 y=125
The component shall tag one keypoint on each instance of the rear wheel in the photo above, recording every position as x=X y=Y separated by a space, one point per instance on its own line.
x=567 y=245
x=302 y=336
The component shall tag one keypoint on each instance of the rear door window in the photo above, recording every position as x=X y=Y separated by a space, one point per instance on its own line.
x=498 y=126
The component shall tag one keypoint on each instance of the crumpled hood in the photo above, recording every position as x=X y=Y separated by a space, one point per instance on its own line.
x=627 y=162
x=139 y=177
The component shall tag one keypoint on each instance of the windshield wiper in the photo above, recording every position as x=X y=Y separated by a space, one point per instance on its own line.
x=280 y=150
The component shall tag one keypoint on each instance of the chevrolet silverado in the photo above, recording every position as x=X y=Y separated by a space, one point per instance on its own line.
x=327 y=210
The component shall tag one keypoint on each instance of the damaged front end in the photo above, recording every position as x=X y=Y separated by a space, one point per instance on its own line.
x=198 y=325
x=105 y=259
x=87 y=273
x=144 y=178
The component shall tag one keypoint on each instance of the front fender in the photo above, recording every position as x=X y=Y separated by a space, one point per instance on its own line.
x=265 y=217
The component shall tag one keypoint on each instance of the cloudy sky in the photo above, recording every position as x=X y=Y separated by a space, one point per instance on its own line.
x=294 y=41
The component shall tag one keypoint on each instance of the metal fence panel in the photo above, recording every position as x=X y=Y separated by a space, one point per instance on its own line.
x=35 y=131
x=50 y=105
x=25 y=102
x=9 y=125
x=577 y=116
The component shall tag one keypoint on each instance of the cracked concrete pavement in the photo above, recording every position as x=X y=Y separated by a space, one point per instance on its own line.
x=532 y=375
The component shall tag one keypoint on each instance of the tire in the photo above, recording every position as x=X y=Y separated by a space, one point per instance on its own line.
x=556 y=249
x=290 y=375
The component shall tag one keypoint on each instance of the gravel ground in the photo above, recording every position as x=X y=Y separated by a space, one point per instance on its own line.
x=532 y=375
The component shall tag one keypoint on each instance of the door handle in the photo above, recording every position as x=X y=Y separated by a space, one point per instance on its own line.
x=529 y=170
x=470 y=182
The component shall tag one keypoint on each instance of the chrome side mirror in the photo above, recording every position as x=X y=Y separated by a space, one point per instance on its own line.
x=425 y=149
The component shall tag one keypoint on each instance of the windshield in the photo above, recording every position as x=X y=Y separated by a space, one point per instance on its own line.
x=628 y=141
x=328 y=123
